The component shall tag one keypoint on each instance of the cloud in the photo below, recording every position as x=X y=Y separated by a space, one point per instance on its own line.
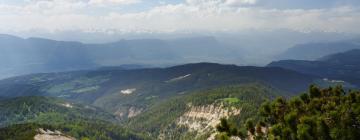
x=122 y=2
x=89 y=2
x=240 y=2
x=221 y=2
x=190 y=16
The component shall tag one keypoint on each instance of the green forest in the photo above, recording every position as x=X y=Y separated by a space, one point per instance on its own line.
x=162 y=116
x=21 y=117
x=320 y=114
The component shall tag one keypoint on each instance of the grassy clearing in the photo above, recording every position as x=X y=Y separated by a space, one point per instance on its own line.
x=231 y=100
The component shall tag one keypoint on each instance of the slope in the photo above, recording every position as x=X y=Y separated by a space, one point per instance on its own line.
x=23 y=116
x=127 y=93
x=312 y=51
x=194 y=116
x=34 y=55
x=340 y=67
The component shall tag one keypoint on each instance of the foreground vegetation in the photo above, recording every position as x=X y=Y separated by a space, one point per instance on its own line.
x=82 y=130
x=320 y=114
x=21 y=117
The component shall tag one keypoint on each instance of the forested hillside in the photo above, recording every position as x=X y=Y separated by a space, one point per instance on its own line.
x=194 y=116
x=126 y=93
x=40 y=109
x=180 y=102
x=321 y=114
x=20 y=118
x=343 y=68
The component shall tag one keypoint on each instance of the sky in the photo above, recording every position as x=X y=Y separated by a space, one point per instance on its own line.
x=168 y=16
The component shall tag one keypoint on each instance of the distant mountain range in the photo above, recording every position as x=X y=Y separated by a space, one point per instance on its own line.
x=312 y=51
x=343 y=66
x=34 y=55
x=37 y=55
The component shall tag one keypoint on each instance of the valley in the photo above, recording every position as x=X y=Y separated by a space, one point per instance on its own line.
x=179 y=102
x=128 y=92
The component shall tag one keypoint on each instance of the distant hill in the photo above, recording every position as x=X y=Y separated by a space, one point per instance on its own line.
x=340 y=66
x=312 y=51
x=351 y=57
x=36 y=55
x=33 y=55
x=127 y=93
x=126 y=67
x=20 y=118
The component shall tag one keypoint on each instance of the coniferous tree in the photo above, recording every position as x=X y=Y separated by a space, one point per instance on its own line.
x=321 y=114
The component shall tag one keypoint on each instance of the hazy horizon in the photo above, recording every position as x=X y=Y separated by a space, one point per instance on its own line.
x=158 y=32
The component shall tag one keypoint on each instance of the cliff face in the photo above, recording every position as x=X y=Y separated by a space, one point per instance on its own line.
x=203 y=119
x=133 y=112
x=128 y=113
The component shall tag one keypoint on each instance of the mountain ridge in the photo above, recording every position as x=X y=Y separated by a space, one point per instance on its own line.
x=36 y=55
x=312 y=51
x=339 y=66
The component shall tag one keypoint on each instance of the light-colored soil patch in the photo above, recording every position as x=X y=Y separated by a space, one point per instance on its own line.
x=178 y=78
x=52 y=137
x=128 y=91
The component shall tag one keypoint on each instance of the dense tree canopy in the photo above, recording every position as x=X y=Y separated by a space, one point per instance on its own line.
x=21 y=117
x=320 y=114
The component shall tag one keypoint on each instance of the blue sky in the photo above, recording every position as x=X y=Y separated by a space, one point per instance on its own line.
x=128 y=16
x=306 y=4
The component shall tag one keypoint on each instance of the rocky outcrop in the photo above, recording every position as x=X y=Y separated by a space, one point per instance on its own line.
x=203 y=119
x=128 y=113
x=50 y=135
x=133 y=111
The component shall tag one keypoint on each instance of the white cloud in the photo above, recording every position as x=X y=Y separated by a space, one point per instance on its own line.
x=83 y=2
x=193 y=15
x=240 y=2
x=221 y=2
x=122 y=2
